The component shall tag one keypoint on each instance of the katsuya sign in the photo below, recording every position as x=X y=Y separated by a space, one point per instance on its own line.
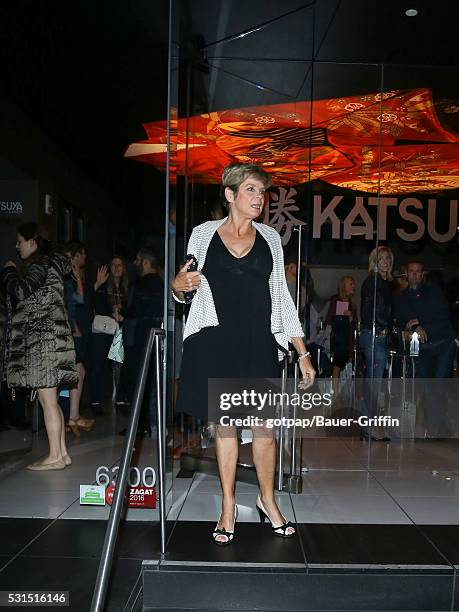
x=416 y=216
x=18 y=200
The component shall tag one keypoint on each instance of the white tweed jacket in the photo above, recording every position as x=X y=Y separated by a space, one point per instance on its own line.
x=285 y=323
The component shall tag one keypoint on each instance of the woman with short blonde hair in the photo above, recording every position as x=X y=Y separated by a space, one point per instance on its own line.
x=241 y=315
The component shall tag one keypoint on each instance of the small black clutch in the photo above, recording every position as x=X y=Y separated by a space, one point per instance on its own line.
x=193 y=266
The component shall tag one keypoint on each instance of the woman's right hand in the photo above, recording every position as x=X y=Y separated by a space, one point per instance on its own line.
x=186 y=281
x=102 y=277
x=308 y=373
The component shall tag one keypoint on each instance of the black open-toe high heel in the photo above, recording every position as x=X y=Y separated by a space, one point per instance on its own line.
x=279 y=530
x=229 y=535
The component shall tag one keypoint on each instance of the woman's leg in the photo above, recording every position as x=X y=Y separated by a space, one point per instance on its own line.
x=63 y=444
x=75 y=394
x=366 y=344
x=98 y=363
x=226 y=450
x=335 y=378
x=54 y=423
x=379 y=366
x=264 y=458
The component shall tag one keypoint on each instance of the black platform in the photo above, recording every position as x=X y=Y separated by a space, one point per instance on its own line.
x=327 y=567
x=43 y=554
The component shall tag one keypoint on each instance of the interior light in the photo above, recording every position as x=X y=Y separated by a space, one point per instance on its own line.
x=411 y=12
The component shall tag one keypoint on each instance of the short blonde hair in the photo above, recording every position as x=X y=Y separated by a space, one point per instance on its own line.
x=235 y=174
x=373 y=260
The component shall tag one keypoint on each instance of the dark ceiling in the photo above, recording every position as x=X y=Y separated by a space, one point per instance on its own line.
x=90 y=72
x=271 y=52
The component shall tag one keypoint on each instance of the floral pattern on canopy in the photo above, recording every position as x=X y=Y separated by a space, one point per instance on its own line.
x=391 y=142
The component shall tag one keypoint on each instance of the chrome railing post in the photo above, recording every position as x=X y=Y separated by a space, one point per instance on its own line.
x=161 y=447
x=293 y=455
x=280 y=447
x=103 y=575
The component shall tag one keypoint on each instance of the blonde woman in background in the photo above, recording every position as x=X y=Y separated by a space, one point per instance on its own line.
x=376 y=322
x=380 y=264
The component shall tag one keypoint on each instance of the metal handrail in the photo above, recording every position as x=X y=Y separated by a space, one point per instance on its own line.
x=280 y=447
x=103 y=574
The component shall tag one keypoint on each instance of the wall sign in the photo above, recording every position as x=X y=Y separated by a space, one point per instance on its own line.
x=278 y=212
x=358 y=221
x=18 y=200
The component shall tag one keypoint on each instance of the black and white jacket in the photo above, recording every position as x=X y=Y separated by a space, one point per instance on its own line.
x=285 y=323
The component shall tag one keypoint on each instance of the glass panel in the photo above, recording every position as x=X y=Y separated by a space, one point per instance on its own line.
x=69 y=114
x=342 y=228
x=172 y=246
x=331 y=134
x=418 y=180
x=241 y=99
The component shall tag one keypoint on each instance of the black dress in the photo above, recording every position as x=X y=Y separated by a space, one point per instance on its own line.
x=242 y=345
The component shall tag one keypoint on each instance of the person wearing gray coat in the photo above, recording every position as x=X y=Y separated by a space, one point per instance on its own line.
x=40 y=350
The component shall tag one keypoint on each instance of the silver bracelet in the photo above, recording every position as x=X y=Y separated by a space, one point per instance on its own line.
x=303 y=355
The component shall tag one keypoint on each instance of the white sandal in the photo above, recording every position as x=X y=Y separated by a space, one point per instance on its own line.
x=218 y=532
x=279 y=530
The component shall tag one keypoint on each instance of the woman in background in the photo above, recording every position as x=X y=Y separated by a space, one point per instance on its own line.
x=110 y=296
x=343 y=323
x=41 y=354
x=380 y=264
x=376 y=316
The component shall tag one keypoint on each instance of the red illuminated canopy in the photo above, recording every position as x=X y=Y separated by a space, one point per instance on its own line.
x=356 y=142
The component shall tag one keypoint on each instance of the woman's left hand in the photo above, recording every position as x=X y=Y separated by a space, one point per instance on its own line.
x=9 y=263
x=117 y=316
x=307 y=372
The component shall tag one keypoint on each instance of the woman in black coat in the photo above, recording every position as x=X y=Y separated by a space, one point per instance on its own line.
x=40 y=350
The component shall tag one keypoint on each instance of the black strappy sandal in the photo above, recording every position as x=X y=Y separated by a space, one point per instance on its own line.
x=229 y=535
x=279 y=530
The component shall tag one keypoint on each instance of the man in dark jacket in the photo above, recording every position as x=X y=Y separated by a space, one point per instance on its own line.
x=422 y=308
